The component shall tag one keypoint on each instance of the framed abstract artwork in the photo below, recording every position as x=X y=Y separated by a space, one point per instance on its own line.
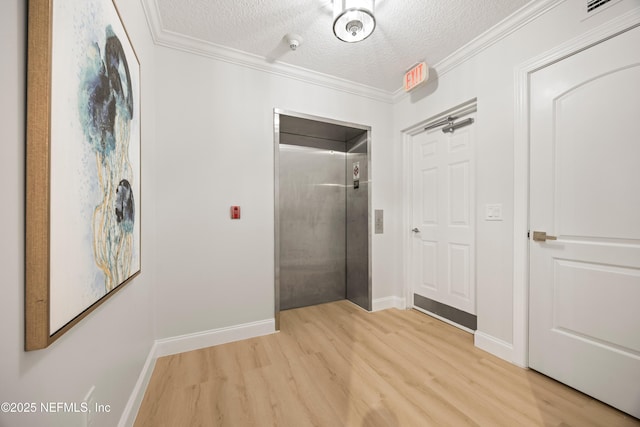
x=83 y=163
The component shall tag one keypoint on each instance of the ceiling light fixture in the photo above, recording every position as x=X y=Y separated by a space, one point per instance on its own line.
x=353 y=20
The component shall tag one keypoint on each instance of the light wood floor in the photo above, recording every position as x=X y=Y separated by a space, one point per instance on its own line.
x=336 y=365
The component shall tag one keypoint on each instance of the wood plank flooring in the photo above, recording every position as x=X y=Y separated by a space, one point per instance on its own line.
x=337 y=365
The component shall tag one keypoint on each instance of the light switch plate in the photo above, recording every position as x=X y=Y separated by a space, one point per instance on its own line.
x=493 y=212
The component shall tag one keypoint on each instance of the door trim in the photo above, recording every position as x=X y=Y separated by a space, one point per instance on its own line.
x=521 y=176
x=467 y=107
x=277 y=112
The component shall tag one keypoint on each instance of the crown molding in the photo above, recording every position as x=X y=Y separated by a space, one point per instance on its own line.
x=504 y=28
x=170 y=39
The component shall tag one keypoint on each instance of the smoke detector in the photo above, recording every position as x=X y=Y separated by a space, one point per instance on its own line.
x=294 y=40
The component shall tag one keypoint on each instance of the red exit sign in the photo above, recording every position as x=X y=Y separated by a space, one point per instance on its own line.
x=415 y=76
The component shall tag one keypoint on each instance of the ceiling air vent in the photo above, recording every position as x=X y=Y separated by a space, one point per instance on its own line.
x=594 y=4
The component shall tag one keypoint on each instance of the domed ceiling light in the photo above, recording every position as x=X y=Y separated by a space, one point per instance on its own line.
x=353 y=20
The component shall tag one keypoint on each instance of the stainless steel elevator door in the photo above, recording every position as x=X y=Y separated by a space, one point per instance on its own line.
x=312 y=226
x=358 y=289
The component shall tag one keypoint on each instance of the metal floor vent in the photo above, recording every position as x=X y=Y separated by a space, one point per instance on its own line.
x=594 y=4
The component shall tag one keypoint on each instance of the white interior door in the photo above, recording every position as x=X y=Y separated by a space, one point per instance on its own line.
x=585 y=190
x=443 y=249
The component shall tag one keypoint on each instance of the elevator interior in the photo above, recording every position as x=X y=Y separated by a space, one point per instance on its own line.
x=322 y=214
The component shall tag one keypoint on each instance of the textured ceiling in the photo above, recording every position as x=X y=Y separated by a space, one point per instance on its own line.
x=407 y=31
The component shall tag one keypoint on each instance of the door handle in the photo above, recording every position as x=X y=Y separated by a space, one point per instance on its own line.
x=416 y=230
x=542 y=236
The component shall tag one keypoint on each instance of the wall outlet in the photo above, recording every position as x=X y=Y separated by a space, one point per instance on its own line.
x=90 y=401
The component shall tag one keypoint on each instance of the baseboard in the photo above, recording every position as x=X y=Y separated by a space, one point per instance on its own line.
x=494 y=345
x=388 y=302
x=189 y=342
x=130 y=412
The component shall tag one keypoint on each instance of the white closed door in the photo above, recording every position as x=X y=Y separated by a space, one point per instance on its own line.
x=584 y=325
x=443 y=249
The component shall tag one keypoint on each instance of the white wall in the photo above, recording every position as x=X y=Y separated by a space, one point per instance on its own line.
x=215 y=149
x=108 y=348
x=207 y=144
x=489 y=76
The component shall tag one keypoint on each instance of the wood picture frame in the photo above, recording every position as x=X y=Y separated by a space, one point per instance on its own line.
x=83 y=164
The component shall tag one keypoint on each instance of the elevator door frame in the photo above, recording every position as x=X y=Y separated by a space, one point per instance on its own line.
x=276 y=161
